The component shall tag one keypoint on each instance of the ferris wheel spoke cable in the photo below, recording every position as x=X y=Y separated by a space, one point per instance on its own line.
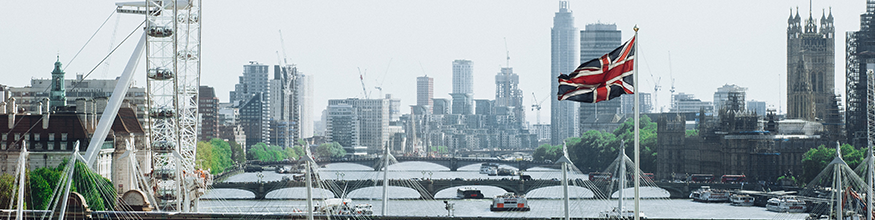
x=89 y=39
x=107 y=55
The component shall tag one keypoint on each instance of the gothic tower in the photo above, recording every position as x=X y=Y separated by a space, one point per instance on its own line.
x=810 y=67
x=58 y=95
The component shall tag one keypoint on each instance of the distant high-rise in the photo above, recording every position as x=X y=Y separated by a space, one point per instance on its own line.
x=722 y=95
x=208 y=108
x=463 y=76
x=463 y=87
x=373 y=121
x=254 y=80
x=508 y=93
x=810 y=67
x=425 y=92
x=596 y=40
x=860 y=60
x=563 y=58
x=305 y=104
x=441 y=106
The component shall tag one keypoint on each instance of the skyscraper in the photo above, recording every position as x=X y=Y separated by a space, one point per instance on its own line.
x=596 y=40
x=425 y=92
x=305 y=104
x=859 y=46
x=563 y=59
x=463 y=87
x=208 y=109
x=810 y=67
x=508 y=93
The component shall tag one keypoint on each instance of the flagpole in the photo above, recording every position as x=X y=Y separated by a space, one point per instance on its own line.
x=637 y=125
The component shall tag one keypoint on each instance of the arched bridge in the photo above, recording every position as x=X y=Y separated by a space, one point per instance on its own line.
x=452 y=163
x=600 y=189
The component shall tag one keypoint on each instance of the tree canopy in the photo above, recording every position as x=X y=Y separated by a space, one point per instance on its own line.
x=330 y=150
x=595 y=150
x=816 y=159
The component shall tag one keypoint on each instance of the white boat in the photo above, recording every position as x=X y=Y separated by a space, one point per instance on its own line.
x=363 y=209
x=741 y=200
x=785 y=204
x=625 y=214
x=487 y=168
x=706 y=194
x=509 y=202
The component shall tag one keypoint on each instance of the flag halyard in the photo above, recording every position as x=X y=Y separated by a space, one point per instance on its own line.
x=600 y=79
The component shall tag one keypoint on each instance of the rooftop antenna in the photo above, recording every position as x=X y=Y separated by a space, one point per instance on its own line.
x=507 y=52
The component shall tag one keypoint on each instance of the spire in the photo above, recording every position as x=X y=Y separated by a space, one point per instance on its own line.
x=797 y=14
x=830 y=14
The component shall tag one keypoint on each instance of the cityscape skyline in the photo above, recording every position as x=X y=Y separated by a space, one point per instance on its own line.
x=384 y=51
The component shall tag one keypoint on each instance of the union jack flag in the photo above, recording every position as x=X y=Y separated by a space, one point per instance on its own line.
x=600 y=79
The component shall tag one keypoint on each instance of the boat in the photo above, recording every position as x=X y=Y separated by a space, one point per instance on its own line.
x=487 y=168
x=785 y=204
x=625 y=214
x=706 y=194
x=335 y=206
x=469 y=193
x=509 y=202
x=741 y=200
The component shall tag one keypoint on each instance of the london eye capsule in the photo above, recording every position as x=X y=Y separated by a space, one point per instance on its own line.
x=166 y=194
x=163 y=146
x=161 y=113
x=160 y=74
x=159 y=31
x=164 y=174
x=186 y=55
x=191 y=18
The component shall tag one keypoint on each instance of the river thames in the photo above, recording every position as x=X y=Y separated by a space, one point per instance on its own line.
x=544 y=202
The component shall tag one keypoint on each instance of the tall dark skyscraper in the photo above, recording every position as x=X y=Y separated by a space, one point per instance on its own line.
x=810 y=67
x=596 y=40
x=563 y=59
x=860 y=53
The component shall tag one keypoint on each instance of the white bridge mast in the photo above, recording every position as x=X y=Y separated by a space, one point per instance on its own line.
x=172 y=79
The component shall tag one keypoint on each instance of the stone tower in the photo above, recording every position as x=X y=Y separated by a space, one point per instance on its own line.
x=58 y=95
x=810 y=67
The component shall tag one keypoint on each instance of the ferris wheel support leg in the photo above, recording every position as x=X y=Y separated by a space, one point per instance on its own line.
x=115 y=101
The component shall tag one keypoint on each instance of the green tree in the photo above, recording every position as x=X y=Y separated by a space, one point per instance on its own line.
x=42 y=184
x=204 y=157
x=815 y=159
x=690 y=133
x=98 y=191
x=237 y=154
x=7 y=189
x=595 y=150
x=330 y=150
x=221 y=156
x=547 y=152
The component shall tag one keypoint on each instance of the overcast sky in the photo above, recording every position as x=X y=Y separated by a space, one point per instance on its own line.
x=711 y=43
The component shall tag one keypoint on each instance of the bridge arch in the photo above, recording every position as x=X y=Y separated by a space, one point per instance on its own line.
x=298 y=193
x=488 y=191
x=376 y=192
x=645 y=192
x=553 y=192
x=229 y=193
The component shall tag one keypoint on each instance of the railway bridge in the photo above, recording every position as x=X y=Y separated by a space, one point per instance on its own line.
x=453 y=163
x=600 y=190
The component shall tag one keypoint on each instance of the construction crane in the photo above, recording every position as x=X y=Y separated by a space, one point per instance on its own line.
x=670 y=75
x=362 y=78
x=380 y=85
x=536 y=106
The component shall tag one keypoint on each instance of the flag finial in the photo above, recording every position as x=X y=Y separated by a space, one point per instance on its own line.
x=635 y=28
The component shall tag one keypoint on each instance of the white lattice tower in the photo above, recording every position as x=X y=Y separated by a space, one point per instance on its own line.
x=173 y=64
x=188 y=81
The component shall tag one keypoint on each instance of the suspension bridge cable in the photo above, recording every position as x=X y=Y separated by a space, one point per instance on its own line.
x=89 y=39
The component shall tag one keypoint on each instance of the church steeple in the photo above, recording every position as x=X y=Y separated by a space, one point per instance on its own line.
x=58 y=94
